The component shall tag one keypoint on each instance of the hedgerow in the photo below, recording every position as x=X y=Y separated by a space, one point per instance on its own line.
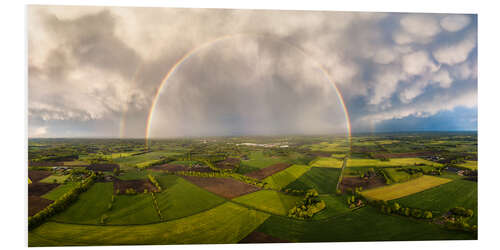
x=60 y=204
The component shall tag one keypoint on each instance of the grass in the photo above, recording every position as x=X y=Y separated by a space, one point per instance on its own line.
x=365 y=224
x=472 y=165
x=324 y=180
x=257 y=159
x=137 y=174
x=393 y=162
x=442 y=198
x=270 y=201
x=90 y=205
x=335 y=205
x=132 y=209
x=399 y=190
x=227 y=223
x=59 y=191
x=180 y=198
x=324 y=162
x=55 y=178
x=287 y=176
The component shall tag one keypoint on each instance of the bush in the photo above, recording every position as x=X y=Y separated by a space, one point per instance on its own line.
x=308 y=207
x=427 y=215
x=416 y=213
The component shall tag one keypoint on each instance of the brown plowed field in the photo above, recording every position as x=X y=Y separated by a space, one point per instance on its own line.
x=258 y=237
x=268 y=171
x=353 y=182
x=225 y=187
x=103 y=167
x=36 y=204
x=177 y=167
x=37 y=175
x=39 y=188
x=321 y=153
x=137 y=185
x=228 y=163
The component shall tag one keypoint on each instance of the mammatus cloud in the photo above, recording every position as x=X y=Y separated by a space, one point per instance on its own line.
x=95 y=70
x=454 y=23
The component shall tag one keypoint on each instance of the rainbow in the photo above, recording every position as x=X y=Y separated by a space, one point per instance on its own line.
x=195 y=50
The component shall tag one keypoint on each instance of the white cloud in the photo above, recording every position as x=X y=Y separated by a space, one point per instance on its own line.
x=456 y=53
x=416 y=28
x=418 y=62
x=454 y=23
x=442 y=77
x=384 y=56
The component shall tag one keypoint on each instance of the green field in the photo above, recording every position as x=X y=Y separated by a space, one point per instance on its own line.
x=365 y=224
x=443 y=198
x=287 y=176
x=403 y=189
x=330 y=147
x=180 y=198
x=472 y=165
x=270 y=201
x=257 y=159
x=55 y=178
x=205 y=227
x=335 y=206
x=132 y=161
x=90 y=205
x=324 y=180
x=132 y=209
x=59 y=191
x=324 y=162
x=393 y=162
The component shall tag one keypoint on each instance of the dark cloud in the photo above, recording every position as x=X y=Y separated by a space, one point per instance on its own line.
x=94 y=67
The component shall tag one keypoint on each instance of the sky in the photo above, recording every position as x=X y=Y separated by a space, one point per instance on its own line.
x=96 y=72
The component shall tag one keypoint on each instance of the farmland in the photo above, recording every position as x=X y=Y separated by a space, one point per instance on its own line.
x=404 y=189
x=233 y=189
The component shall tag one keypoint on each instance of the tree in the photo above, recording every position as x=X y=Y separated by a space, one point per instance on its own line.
x=428 y=215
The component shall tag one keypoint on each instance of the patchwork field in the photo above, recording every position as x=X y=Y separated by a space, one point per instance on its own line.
x=201 y=228
x=287 y=176
x=270 y=201
x=179 y=208
x=404 y=189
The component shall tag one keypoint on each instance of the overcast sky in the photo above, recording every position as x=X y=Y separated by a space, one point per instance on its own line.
x=93 y=71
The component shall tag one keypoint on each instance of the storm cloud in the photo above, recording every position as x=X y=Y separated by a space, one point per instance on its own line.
x=94 y=71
